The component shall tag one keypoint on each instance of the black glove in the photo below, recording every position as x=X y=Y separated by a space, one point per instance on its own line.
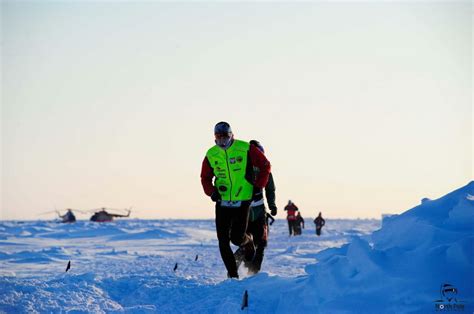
x=257 y=194
x=215 y=196
x=273 y=210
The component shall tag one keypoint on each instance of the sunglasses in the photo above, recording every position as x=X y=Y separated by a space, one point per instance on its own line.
x=222 y=135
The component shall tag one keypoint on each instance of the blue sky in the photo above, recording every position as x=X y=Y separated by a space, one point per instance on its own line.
x=363 y=108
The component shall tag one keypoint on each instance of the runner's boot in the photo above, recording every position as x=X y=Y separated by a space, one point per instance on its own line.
x=249 y=249
x=239 y=257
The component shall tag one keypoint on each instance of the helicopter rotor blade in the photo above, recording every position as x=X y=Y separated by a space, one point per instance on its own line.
x=48 y=212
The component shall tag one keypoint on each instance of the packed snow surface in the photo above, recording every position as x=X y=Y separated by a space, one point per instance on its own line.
x=354 y=266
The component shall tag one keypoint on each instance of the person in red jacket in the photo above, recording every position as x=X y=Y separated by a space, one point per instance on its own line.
x=291 y=210
x=227 y=176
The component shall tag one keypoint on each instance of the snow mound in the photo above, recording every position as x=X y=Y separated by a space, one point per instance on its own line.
x=402 y=270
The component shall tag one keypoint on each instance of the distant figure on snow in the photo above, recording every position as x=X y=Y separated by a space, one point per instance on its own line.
x=68 y=216
x=104 y=216
x=291 y=210
x=257 y=222
x=298 y=224
x=319 y=222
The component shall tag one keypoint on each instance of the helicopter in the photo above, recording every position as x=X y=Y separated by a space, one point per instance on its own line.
x=102 y=215
x=68 y=217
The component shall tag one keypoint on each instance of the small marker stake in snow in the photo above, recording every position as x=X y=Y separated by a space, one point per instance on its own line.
x=245 y=300
x=175 y=267
x=68 y=266
x=196 y=258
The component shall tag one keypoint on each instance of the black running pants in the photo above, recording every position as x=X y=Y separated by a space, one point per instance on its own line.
x=231 y=224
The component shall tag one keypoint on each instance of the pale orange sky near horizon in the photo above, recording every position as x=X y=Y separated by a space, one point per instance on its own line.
x=363 y=108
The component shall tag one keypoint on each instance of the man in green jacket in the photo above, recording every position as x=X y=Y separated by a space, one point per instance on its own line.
x=227 y=176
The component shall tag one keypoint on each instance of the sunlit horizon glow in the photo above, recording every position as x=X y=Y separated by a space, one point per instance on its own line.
x=363 y=108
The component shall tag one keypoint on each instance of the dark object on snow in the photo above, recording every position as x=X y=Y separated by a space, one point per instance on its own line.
x=175 y=267
x=196 y=258
x=245 y=300
x=68 y=266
